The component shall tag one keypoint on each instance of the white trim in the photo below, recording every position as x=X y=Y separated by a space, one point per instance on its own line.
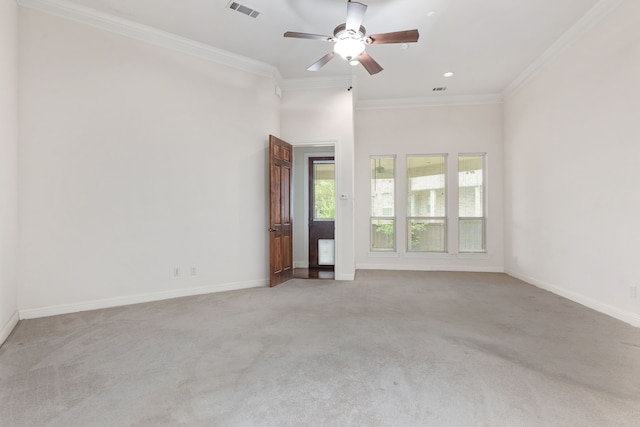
x=422 y=267
x=332 y=142
x=317 y=83
x=145 y=33
x=431 y=101
x=592 y=18
x=348 y=277
x=8 y=327
x=31 y=313
x=615 y=312
x=305 y=195
x=326 y=143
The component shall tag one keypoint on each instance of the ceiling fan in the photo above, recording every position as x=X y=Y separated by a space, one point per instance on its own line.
x=351 y=40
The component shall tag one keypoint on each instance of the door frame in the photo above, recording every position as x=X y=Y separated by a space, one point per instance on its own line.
x=330 y=144
x=308 y=200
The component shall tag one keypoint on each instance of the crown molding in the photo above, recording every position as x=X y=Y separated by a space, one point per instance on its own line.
x=317 y=83
x=145 y=33
x=124 y=27
x=592 y=18
x=431 y=101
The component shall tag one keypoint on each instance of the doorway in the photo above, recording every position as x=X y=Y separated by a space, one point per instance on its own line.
x=322 y=207
x=314 y=222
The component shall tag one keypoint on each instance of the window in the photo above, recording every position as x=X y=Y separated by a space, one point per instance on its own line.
x=383 y=223
x=426 y=203
x=324 y=190
x=471 y=204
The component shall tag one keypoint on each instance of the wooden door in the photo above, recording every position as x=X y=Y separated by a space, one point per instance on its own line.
x=280 y=221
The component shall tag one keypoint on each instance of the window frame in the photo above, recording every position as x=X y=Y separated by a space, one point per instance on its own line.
x=483 y=218
x=393 y=217
x=444 y=219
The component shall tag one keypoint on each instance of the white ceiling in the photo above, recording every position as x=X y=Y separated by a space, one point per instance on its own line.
x=486 y=43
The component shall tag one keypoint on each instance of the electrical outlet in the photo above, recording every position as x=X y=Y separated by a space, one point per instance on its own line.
x=176 y=272
x=194 y=271
x=634 y=292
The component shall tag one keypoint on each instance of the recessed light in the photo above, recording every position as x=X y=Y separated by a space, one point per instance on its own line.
x=405 y=46
x=448 y=74
x=431 y=13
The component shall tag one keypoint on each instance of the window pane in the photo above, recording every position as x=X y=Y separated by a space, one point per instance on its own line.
x=383 y=234
x=426 y=186
x=471 y=208
x=324 y=190
x=471 y=186
x=427 y=235
x=471 y=232
x=426 y=203
x=382 y=186
x=383 y=226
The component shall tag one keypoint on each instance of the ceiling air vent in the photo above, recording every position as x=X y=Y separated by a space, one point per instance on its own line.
x=244 y=9
x=439 y=89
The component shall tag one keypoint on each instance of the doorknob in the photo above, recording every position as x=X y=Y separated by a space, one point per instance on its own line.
x=272 y=230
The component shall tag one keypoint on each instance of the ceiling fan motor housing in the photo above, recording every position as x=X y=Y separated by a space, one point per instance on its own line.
x=341 y=32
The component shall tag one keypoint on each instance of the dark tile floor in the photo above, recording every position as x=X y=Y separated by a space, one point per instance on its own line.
x=313 y=273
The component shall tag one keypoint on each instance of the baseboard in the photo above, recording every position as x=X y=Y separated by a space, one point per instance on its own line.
x=300 y=264
x=8 y=327
x=422 y=267
x=615 y=312
x=32 y=313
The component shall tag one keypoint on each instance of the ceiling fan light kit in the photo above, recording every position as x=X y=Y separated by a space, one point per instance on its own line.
x=350 y=40
x=349 y=48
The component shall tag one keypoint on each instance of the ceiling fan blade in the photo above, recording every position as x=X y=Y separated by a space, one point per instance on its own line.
x=308 y=36
x=408 y=36
x=369 y=63
x=355 y=15
x=321 y=62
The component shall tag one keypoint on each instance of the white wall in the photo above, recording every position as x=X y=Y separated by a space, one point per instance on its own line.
x=8 y=166
x=135 y=160
x=429 y=130
x=572 y=138
x=321 y=115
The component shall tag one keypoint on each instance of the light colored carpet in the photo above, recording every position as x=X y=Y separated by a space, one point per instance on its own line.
x=390 y=348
